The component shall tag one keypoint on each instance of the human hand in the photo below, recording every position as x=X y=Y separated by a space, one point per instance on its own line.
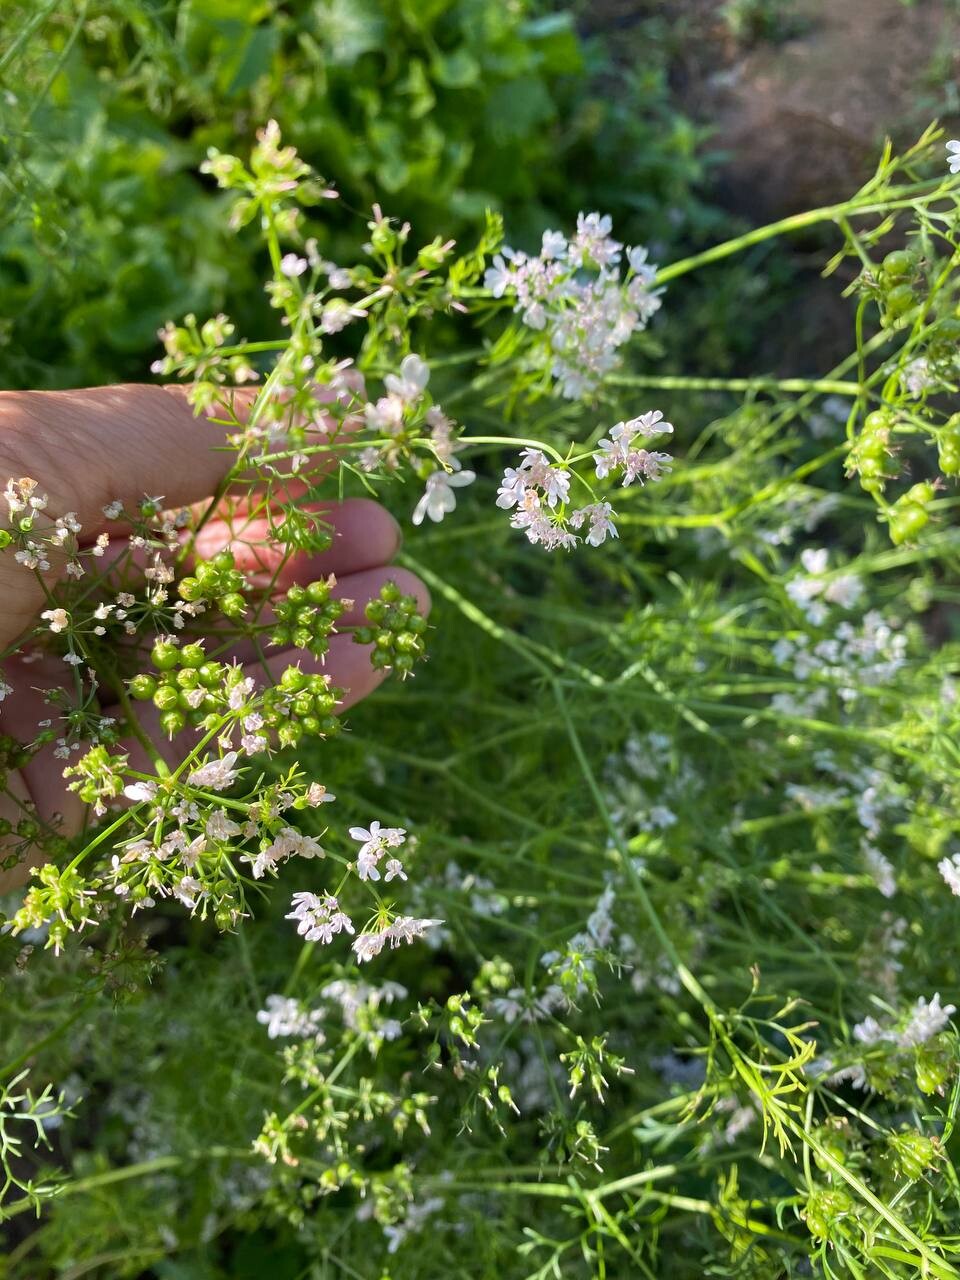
x=90 y=448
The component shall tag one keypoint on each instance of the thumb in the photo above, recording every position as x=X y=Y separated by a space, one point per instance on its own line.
x=90 y=447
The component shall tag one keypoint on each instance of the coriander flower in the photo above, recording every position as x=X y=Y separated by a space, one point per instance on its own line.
x=953 y=156
x=499 y=277
x=402 y=929
x=927 y=1019
x=414 y=376
x=620 y=451
x=218 y=775
x=439 y=498
x=186 y=891
x=286 y=1016
x=600 y=516
x=292 y=266
x=318 y=794
x=319 y=919
x=58 y=619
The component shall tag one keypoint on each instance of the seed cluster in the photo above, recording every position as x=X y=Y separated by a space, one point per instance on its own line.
x=396 y=630
x=307 y=616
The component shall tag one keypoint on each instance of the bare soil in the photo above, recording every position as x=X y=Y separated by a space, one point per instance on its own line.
x=798 y=122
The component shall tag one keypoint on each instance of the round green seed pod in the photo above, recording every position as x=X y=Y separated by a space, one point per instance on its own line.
x=143 y=687
x=192 y=655
x=166 y=698
x=164 y=655
x=899 y=263
x=232 y=605
x=172 y=722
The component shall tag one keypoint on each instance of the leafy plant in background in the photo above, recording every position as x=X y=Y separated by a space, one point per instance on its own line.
x=446 y=108
x=685 y=803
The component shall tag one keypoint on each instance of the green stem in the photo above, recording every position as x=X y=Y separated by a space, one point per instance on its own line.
x=796 y=222
x=799 y=385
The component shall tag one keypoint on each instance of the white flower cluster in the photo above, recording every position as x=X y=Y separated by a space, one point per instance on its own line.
x=373 y=844
x=535 y=488
x=360 y=1007
x=953 y=156
x=813 y=591
x=393 y=415
x=646 y=786
x=621 y=453
x=284 y=1016
x=320 y=917
x=927 y=1018
x=851 y=659
x=572 y=291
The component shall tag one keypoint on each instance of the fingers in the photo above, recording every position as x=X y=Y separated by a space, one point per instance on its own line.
x=90 y=447
x=364 y=535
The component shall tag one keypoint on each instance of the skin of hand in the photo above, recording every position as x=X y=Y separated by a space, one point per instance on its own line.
x=90 y=447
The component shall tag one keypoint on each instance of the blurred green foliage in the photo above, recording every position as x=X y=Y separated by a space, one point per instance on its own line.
x=436 y=108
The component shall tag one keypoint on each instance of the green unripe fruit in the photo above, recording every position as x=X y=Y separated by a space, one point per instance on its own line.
x=877 y=420
x=223 y=561
x=383 y=238
x=417 y=624
x=364 y=635
x=932 y=1074
x=232 y=605
x=192 y=655
x=296 y=594
x=166 y=698
x=224 y=920
x=949 y=455
x=209 y=675
x=318 y=593
x=403 y=662
x=206 y=573
x=407 y=643
x=376 y=611
x=906 y=522
x=310 y=725
x=921 y=493
x=913 y=1153
x=172 y=722
x=164 y=655
x=899 y=301
x=379 y=659
x=385 y=639
x=6 y=537
x=188 y=678
x=899 y=263
x=302 y=705
x=390 y=592
x=293 y=680
x=190 y=589
x=143 y=687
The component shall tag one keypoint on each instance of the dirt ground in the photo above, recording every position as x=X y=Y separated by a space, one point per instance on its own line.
x=798 y=119
x=801 y=121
